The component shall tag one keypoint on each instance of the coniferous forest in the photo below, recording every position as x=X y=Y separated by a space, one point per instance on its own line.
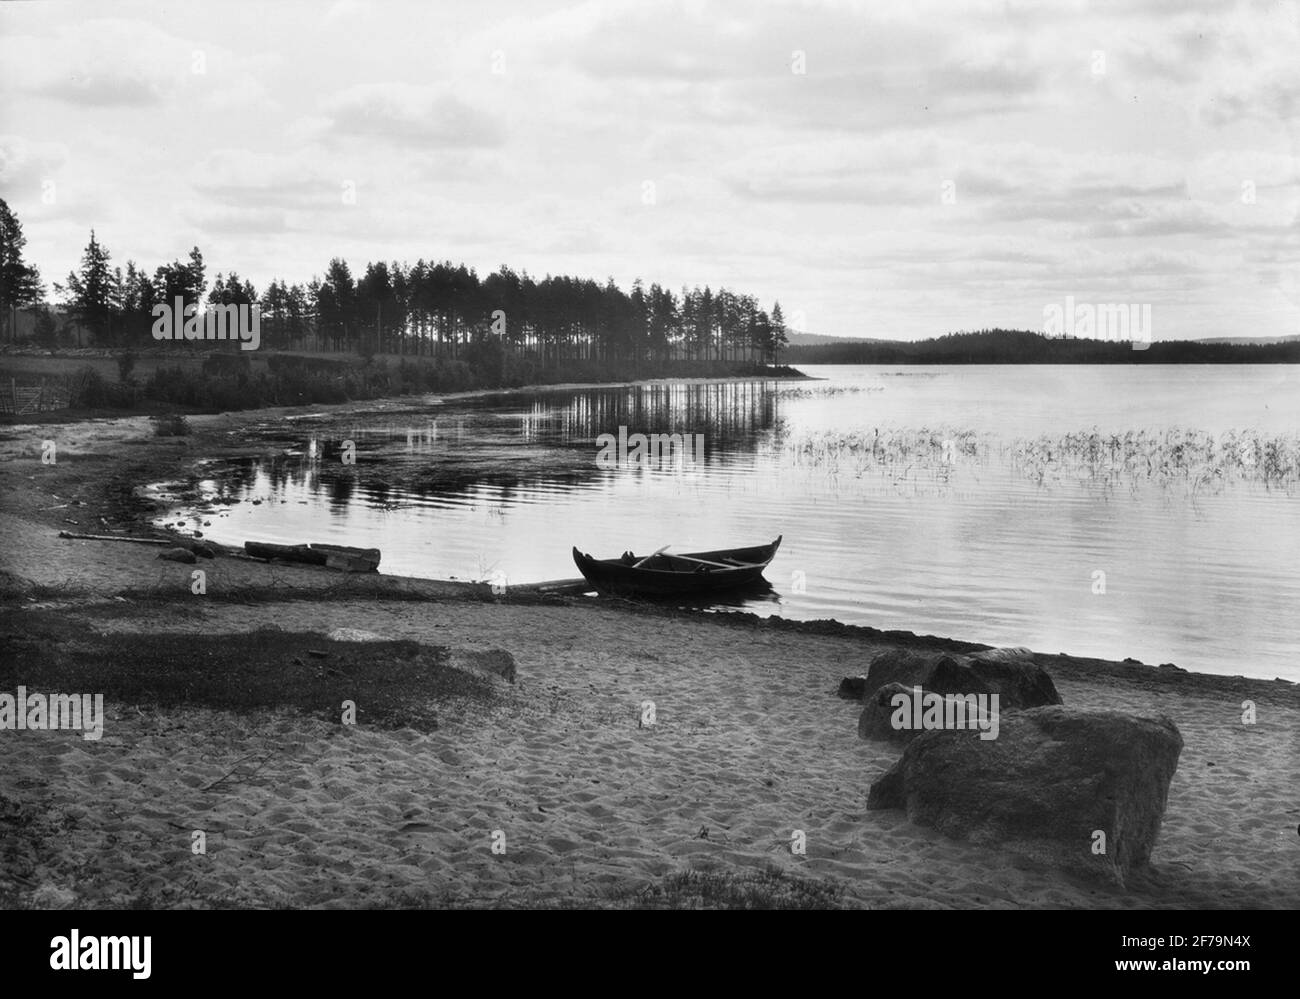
x=431 y=308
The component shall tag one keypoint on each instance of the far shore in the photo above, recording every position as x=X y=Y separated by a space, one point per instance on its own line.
x=752 y=741
x=376 y=380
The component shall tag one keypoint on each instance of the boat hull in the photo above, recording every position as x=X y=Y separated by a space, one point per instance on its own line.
x=679 y=575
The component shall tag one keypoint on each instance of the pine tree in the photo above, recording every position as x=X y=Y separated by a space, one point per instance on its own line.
x=20 y=284
x=93 y=295
x=779 y=337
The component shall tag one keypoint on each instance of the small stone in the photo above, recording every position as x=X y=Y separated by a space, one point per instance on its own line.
x=853 y=688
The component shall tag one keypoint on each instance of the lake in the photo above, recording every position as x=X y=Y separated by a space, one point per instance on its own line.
x=1112 y=511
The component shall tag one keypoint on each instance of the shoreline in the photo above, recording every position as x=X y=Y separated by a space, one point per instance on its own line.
x=114 y=505
x=66 y=365
x=302 y=811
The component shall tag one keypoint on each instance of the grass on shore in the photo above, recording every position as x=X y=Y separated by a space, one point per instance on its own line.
x=394 y=684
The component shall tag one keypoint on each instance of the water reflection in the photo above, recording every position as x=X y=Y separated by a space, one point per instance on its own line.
x=550 y=436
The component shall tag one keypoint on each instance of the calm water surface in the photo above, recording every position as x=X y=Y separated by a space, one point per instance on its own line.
x=1149 y=511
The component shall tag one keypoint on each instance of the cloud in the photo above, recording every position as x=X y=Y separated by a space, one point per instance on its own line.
x=409 y=115
x=240 y=221
x=241 y=178
x=25 y=165
x=103 y=88
x=98 y=63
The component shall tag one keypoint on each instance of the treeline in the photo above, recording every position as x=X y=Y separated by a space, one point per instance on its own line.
x=232 y=380
x=429 y=309
x=1000 y=346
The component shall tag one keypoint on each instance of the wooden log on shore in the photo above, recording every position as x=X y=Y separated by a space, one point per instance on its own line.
x=350 y=563
x=199 y=547
x=287 y=553
x=561 y=587
x=352 y=559
x=116 y=537
x=330 y=556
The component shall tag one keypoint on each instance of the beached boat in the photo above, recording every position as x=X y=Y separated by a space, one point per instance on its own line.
x=662 y=574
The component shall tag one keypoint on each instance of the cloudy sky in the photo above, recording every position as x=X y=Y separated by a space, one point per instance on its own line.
x=883 y=169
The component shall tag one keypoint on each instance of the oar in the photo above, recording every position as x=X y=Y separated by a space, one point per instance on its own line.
x=720 y=565
x=638 y=565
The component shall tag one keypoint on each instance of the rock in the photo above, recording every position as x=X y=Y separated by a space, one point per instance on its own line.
x=178 y=555
x=877 y=710
x=1015 y=677
x=494 y=661
x=1017 y=680
x=354 y=635
x=1053 y=779
x=941 y=672
x=204 y=549
x=853 y=688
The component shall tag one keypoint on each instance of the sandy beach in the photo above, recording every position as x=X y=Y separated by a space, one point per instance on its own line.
x=553 y=791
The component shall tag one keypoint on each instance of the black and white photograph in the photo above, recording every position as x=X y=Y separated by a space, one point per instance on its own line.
x=627 y=455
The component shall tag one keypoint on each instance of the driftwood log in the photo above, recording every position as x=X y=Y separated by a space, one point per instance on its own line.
x=330 y=556
x=116 y=537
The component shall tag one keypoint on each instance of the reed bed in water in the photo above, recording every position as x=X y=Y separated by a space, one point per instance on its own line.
x=1195 y=459
x=1201 y=461
x=822 y=391
x=898 y=452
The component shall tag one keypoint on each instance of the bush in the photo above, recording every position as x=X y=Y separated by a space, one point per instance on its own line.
x=170 y=425
x=228 y=365
x=90 y=390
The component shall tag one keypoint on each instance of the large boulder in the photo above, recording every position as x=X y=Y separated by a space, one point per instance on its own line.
x=878 y=709
x=1011 y=674
x=1081 y=790
x=941 y=672
x=1015 y=677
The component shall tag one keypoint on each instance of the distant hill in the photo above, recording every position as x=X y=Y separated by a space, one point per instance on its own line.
x=818 y=340
x=1026 y=347
x=1250 y=339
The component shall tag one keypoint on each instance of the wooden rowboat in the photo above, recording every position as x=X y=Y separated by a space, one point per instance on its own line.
x=661 y=574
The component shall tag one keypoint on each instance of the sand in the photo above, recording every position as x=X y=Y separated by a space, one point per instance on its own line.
x=585 y=804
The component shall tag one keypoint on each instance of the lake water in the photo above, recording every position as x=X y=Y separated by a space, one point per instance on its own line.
x=1144 y=511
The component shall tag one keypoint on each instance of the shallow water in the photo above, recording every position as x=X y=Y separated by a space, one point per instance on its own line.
x=1114 y=511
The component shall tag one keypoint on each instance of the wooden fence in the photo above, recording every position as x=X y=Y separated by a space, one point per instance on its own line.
x=21 y=400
